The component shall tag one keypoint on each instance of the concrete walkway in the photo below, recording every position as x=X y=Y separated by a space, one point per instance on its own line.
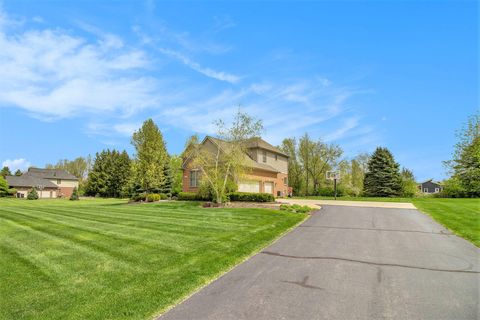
x=349 y=263
x=316 y=204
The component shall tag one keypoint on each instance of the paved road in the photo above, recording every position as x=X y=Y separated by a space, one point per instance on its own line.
x=316 y=204
x=349 y=263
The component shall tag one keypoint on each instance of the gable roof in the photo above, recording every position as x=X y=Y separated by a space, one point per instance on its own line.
x=430 y=180
x=50 y=174
x=258 y=142
x=224 y=145
x=29 y=181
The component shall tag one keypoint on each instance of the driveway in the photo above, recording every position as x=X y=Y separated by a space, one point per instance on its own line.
x=316 y=204
x=349 y=263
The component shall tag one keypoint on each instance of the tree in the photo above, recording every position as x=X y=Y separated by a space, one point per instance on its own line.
x=295 y=171
x=110 y=174
x=18 y=173
x=409 y=185
x=74 y=195
x=79 y=167
x=167 y=185
x=177 y=174
x=465 y=164
x=32 y=195
x=383 y=177
x=151 y=156
x=5 y=172
x=227 y=162
x=3 y=187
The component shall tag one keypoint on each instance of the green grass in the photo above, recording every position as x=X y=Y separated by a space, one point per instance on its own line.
x=462 y=216
x=104 y=259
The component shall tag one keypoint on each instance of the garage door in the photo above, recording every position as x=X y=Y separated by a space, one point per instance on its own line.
x=268 y=187
x=249 y=186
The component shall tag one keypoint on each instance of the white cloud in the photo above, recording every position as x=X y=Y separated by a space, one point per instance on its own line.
x=16 y=164
x=342 y=131
x=55 y=74
x=219 y=75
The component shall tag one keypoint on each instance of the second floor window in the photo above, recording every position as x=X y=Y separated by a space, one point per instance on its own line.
x=264 y=156
x=194 y=178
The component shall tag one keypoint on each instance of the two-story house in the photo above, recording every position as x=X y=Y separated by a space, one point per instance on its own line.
x=267 y=168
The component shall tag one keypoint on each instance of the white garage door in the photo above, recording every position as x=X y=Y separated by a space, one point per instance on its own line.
x=249 y=186
x=268 y=187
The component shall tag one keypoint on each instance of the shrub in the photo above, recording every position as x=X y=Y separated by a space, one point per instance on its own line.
x=163 y=196
x=139 y=197
x=250 y=196
x=12 y=192
x=32 y=195
x=74 y=195
x=193 y=196
x=152 y=197
x=295 y=208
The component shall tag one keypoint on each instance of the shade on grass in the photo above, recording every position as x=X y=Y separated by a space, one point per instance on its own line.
x=104 y=259
x=462 y=216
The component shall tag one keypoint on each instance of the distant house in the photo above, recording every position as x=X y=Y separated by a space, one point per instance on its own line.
x=268 y=168
x=430 y=186
x=50 y=183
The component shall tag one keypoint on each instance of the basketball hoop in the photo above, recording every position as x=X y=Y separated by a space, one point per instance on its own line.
x=333 y=175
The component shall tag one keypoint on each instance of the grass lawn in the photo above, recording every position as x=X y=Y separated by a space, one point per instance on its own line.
x=462 y=216
x=104 y=259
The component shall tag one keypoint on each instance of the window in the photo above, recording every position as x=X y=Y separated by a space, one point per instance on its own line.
x=425 y=190
x=59 y=181
x=285 y=181
x=276 y=157
x=194 y=178
x=264 y=156
x=437 y=189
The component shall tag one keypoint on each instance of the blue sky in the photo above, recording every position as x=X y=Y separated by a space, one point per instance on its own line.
x=77 y=76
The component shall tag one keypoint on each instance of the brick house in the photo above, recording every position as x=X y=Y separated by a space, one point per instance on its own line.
x=50 y=183
x=267 y=168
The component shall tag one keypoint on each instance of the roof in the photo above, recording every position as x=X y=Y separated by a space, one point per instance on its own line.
x=258 y=142
x=223 y=145
x=50 y=174
x=429 y=180
x=29 y=181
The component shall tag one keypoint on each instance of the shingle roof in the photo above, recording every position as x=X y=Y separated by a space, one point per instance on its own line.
x=29 y=181
x=248 y=161
x=262 y=144
x=50 y=174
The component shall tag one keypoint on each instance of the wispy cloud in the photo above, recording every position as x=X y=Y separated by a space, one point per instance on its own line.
x=219 y=75
x=16 y=164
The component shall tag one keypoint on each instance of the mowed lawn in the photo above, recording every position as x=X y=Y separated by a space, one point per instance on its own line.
x=105 y=259
x=462 y=216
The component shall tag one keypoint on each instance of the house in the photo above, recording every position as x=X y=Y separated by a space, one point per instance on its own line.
x=50 y=183
x=267 y=168
x=430 y=186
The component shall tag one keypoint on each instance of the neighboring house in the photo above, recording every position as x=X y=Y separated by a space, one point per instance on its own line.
x=267 y=168
x=50 y=183
x=430 y=186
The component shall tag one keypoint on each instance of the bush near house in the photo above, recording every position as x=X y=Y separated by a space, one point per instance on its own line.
x=32 y=195
x=253 y=197
x=192 y=196
x=74 y=195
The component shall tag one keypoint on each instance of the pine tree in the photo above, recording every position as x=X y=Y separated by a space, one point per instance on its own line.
x=5 y=172
x=151 y=156
x=74 y=195
x=32 y=195
x=18 y=173
x=167 y=184
x=383 y=177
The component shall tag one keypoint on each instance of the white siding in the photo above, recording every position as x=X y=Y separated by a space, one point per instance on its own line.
x=280 y=162
x=65 y=183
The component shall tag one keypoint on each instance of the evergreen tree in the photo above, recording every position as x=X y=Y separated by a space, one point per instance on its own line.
x=167 y=184
x=151 y=156
x=109 y=175
x=3 y=187
x=383 y=177
x=18 y=173
x=176 y=171
x=5 y=172
x=32 y=195
x=74 y=195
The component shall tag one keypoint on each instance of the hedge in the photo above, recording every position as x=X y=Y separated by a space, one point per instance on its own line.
x=251 y=197
x=192 y=196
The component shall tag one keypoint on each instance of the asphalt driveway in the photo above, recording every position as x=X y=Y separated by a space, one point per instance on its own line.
x=349 y=263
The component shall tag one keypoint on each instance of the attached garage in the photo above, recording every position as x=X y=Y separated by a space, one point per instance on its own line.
x=249 y=186
x=268 y=187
